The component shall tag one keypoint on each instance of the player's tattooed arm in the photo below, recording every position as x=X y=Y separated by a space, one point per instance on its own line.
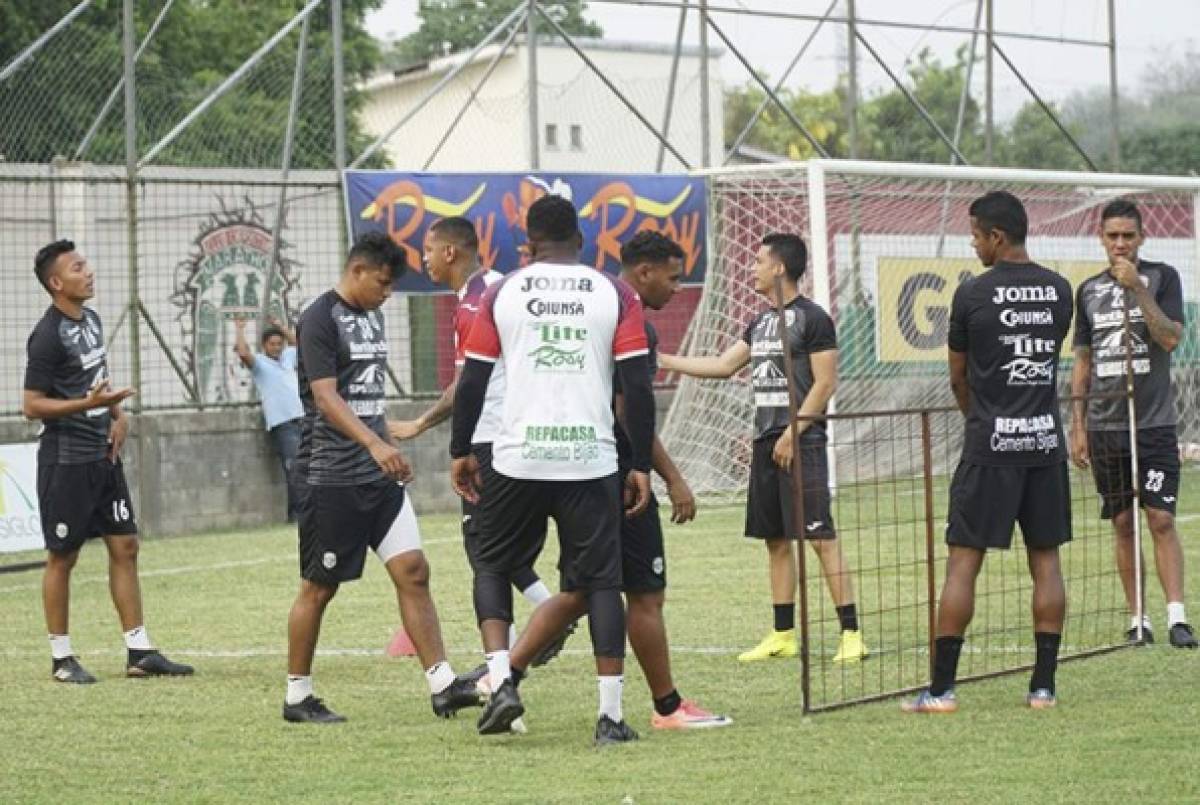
x=683 y=502
x=435 y=415
x=958 y=379
x=1081 y=383
x=715 y=366
x=1166 y=332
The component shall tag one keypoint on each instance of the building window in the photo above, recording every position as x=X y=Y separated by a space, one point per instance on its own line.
x=551 y=135
x=576 y=137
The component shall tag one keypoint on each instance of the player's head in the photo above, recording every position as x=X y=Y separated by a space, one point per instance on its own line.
x=652 y=263
x=1121 y=230
x=998 y=221
x=552 y=226
x=780 y=255
x=62 y=271
x=451 y=250
x=273 y=342
x=375 y=262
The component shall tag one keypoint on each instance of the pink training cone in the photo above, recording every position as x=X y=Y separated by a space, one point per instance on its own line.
x=401 y=645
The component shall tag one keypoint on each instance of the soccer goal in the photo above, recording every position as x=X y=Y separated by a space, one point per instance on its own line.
x=889 y=243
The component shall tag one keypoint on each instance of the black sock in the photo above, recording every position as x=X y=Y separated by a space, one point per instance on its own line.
x=1047 y=661
x=785 y=617
x=848 y=617
x=668 y=704
x=517 y=675
x=945 y=664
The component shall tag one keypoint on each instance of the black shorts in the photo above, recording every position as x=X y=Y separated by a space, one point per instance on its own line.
x=471 y=524
x=79 y=502
x=1158 y=468
x=338 y=523
x=769 y=503
x=986 y=502
x=513 y=513
x=643 y=560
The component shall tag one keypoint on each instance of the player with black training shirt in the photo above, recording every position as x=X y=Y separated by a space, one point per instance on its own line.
x=352 y=476
x=1149 y=294
x=1006 y=331
x=82 y=493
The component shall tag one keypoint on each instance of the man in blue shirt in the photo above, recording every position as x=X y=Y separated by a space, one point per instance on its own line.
x=274 y=373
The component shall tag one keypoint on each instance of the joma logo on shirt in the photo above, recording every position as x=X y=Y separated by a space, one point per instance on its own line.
x=580 y=284
x=1025 y=293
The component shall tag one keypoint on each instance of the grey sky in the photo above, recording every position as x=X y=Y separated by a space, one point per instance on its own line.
x=1146 y=30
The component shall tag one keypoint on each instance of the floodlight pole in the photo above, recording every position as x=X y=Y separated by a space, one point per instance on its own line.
x=535 y=161
x=705 y=120
x=1114 y=112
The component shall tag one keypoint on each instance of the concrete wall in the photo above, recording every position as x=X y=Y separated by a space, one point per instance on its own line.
x=208 y=470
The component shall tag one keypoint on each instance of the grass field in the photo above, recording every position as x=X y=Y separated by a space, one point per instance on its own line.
x=1126 y=728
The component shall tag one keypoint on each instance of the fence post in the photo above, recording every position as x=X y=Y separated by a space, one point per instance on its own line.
x=930 y=572
x=131 y=171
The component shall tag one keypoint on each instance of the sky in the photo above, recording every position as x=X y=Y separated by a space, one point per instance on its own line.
x=1147 y=30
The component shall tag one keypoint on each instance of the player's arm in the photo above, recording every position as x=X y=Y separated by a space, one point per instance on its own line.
x=45 y=354
x=634 y=374
x=1081 y=384
x=958 y=379
x=239 y=344
x=824 y=371
x=1165 y=329
x=468 y=401
x=714 y=366
x=337 y=413
x=683 y=502
x=435 y=415
x=957 y=340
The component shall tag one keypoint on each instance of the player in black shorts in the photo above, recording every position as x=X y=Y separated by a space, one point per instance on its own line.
x=1151 y=295
x=651 y=264
x=769 y=505
x=352 y=478
x=562 y=329
x=82 y=492
x=1006 y=331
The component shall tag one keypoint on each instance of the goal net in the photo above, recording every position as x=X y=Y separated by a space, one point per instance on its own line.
x=888 y=246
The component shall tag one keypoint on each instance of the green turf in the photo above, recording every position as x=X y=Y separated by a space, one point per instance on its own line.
x=1126 y=727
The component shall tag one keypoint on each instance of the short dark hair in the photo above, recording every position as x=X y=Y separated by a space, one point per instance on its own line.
x=1121 y=208
x=1001 y=210
x=551 y=219
x=459 y=231
x=377 y=249
x=270 y=333
x=789 y=250
x=47 y=256
x=649 y=246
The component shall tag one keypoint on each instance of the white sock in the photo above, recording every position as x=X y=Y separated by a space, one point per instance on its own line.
x=610 y=697
x=439 y=676
x=536 y=593
x=60 y=646
x=138 y=639
x=299 y=688
x=1175 y=613
x=1133 y=621
x=498 y=667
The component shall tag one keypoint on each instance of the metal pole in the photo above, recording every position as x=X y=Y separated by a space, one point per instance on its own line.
x=131 y=229
x=766 y=101
x=930 y=572
x=705 y=119
x=36 y=45
x=989 y=75
x=433 y=91
x=1134 y=471
x=116 y=91
x=959 y=120
x=339 y=90
x=281 y=210
x=852 y=78
x=1114 y=114
x=535 y=159
x=666 y=126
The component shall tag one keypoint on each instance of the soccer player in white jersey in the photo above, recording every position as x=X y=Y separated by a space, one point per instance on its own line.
x=452 y=259
x=562 y=328
x=769 y=504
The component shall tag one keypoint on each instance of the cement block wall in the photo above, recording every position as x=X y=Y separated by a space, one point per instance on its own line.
x=210 y=470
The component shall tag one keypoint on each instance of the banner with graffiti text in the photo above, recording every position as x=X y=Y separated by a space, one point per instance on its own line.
x=612 y=208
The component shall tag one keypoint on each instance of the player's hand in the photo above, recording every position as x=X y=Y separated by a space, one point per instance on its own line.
x=1079 y=449
x=101 y=395
x=668 y=362
x=683 y=502
x=391 y=462
x=404 y=430
x=117 y=432
x=239 y=324
x=785 y=446
x=637 y=493
x=466 y=478
x=1125 y=273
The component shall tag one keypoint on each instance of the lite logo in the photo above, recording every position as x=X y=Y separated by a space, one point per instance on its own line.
x=561 y=348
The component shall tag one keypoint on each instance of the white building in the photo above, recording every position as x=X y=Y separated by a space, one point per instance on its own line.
x=583 y=125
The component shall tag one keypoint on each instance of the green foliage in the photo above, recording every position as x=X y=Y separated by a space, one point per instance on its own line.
x=821 y=114
x=1031 y=140
x=1174 y=150
x=449 y=26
